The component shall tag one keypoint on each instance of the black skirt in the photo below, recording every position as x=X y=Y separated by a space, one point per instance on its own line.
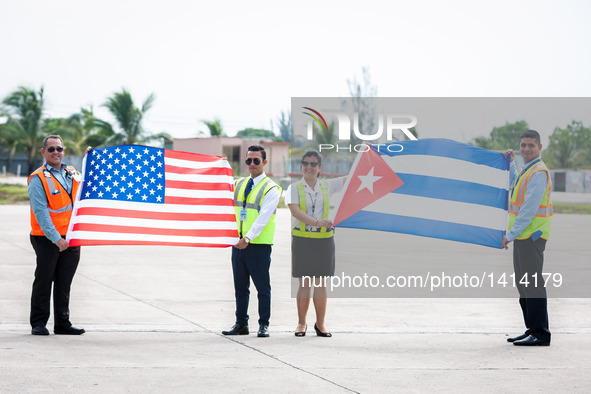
x=312 y=256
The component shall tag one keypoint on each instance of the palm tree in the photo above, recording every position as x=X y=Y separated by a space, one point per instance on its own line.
x=321 y=136
x=129 y=119
x=78 y=131
x=483 y=142
x=324 y=136
x=22 y=130
x=215 y=127
x=562 y=150
x=284 y=124
x=568 y=147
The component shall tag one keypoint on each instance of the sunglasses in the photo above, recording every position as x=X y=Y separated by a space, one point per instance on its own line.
x=314 y=164
x=256 y=160
x=52 y=149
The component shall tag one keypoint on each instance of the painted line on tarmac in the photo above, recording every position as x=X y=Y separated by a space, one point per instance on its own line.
x=197 y=328
x=219 y=334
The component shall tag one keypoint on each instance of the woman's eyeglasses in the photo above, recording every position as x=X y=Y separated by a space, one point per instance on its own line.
x=52 y=149
x=314 y=164
x=256 y=161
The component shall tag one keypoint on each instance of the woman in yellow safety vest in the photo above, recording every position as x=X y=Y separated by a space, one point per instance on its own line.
x=312 y=245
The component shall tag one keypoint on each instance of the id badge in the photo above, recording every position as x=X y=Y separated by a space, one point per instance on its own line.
x=243 y=214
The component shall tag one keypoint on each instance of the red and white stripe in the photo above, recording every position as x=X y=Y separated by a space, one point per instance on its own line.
x=198 y=209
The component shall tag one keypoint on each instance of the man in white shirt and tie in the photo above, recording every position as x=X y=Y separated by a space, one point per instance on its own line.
x=255 y=204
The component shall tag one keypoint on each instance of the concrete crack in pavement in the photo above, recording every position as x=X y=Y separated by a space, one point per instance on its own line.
x=221 y=335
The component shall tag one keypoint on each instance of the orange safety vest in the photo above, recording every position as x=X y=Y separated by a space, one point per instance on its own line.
x=60 y=203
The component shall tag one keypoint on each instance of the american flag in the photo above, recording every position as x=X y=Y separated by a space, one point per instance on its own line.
x=139 y=195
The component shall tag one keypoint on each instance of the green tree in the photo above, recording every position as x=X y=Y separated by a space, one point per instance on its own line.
x=323 y=136
x=583 y=142
x=22 y=131
x=284 y=124
x=484 y=142
x=569 y=147
x=78 y=131
x=215 y=127
x=129 y=121
x=251 y=132
x=504 y=137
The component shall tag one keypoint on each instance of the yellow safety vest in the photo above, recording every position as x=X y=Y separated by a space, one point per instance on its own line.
x=59 y=202
x=543 y=219
x=253 y=204
x=322 y=232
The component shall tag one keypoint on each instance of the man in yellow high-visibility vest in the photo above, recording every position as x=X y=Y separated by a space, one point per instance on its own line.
x=255 y=204
x=530 y=219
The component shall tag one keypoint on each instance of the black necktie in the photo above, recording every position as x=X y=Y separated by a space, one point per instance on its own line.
x=248 y=188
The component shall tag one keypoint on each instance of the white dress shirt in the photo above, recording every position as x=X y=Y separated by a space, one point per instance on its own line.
x=314 y=197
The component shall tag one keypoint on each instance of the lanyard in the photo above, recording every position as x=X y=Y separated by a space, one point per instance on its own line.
x=64 y=183
x=313 y=202
x=524 y=170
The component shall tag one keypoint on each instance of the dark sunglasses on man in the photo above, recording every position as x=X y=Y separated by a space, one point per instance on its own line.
x=52 y=149
x=314 y=164
x=256 y=160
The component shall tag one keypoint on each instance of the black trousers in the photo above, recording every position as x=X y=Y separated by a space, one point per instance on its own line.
x=528 y=262
x=59 y=268
x=254 y=261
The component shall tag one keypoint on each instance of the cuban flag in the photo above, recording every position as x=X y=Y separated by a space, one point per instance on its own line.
x=430 y=187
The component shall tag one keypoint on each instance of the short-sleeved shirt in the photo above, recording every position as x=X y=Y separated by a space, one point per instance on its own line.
x=314 y=198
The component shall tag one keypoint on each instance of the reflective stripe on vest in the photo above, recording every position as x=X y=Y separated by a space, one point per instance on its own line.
x=59 y=202
x=253 y=204
x=542 y=220
x=541 y=212
x=323 y=232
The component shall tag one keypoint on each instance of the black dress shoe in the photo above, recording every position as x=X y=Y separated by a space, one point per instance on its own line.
x=517 y=338
x=68 y=330
x=263 y=331
x=531 y=341
x=40 y=330
x=237 y=329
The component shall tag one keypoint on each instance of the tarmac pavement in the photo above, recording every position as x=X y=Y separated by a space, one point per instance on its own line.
x=153 y=317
